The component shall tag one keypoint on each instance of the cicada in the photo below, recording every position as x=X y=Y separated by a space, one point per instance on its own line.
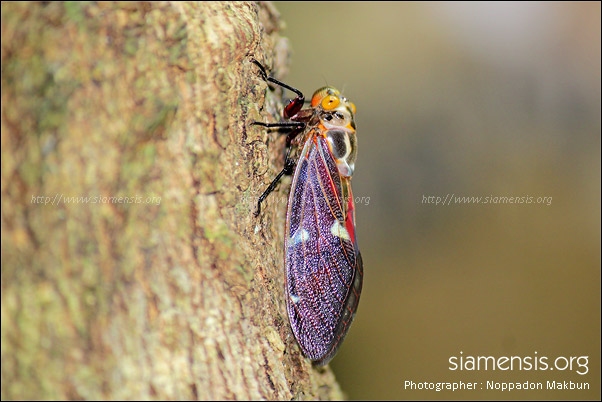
x=322 y=260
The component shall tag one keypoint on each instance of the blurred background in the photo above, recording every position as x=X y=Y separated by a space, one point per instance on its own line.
x=466 y=100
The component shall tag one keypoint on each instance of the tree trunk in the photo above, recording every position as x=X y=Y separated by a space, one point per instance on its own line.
x=132 y=264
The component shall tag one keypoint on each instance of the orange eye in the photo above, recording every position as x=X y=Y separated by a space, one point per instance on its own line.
x=330 y=102
x=327 y=97
x=352 y=106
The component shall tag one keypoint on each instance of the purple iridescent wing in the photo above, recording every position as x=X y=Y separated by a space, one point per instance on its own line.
x=323 y=263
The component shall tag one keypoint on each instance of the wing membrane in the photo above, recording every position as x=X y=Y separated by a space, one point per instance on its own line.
x=323 y=264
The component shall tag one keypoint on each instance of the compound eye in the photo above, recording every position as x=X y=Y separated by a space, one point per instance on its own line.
x=330 y=102
x=352 y=106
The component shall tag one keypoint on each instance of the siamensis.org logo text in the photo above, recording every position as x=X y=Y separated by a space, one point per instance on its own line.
x=578 y=364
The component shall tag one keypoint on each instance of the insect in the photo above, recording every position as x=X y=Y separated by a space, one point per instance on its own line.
x=324 y=271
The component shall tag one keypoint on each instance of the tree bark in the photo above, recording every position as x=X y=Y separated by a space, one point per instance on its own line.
x=132 y=264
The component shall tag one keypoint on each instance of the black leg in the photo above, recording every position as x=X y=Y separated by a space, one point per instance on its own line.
x=294 y=127
x=283 y=124
x=266 y=77
x=289 y=166
x=295 y=104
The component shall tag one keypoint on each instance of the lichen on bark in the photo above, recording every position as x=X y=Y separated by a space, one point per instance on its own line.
x=132 y=265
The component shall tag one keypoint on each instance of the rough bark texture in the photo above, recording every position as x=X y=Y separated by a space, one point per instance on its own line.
x=155 y=280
